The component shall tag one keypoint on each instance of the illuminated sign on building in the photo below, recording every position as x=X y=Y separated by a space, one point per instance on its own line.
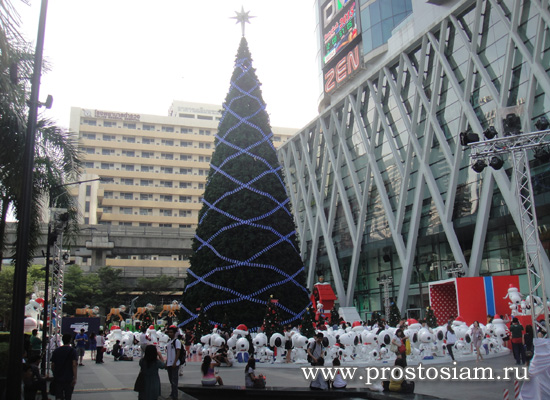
x=342 y=70
x=116 y=115
x=340 y=26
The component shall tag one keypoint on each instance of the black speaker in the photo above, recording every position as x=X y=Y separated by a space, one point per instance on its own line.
x=386 y=258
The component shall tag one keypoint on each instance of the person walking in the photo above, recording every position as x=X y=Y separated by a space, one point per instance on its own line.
x=35 y=344
x=100 y=342
x=64 y=367
x=189 y=338
x=81 y=339
x=315 y=350
x=477 y=338
x=149 y=365
x=93 y=346
x=518 y=348
x=399 y=340
x=528 y=340
x=450 y=340
x=173 y=350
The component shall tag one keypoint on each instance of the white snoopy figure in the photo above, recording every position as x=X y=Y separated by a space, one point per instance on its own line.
x=514 y=297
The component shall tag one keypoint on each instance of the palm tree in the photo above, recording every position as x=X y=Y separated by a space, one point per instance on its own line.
x=56 y=153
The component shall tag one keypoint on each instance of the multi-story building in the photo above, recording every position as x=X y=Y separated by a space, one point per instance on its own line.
x=379 y=182
x=152 y=168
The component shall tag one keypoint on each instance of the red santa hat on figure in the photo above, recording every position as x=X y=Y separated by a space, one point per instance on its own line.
x=241 y=330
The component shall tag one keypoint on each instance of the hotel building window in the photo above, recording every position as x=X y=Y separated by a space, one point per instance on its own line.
x=89 y=136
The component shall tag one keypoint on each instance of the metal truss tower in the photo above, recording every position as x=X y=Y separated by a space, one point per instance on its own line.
x=517 y=146
x=55 y=309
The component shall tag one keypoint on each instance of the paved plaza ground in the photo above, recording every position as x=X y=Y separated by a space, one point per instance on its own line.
x=114 y=380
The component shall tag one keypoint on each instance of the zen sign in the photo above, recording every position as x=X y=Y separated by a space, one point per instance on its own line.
x=342 y=70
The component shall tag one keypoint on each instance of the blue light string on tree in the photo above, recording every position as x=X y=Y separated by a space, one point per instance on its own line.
x=248 y=222
x=247 y=262
x=241 y=151
x=242 y=186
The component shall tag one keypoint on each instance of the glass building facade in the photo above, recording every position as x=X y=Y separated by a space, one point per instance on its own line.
x=378 y=18
x=379 y=181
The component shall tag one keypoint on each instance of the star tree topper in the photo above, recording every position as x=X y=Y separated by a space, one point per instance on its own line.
x=242 y=17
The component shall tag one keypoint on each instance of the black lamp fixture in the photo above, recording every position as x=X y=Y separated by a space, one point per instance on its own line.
x=479 y=166
x=542 y=153
x=496 y=163
x=512 y=125
x=490 y=132
x=466 y=138
x=542 y=123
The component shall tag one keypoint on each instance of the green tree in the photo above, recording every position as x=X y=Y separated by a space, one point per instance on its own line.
x=395 y=314
x=147 y=319
x=431 y=319
x=111 y=286
x=308 y=323
x=334 y=316
x=152 y=288
x=202 y=326
x=245 y=246
x=272 y=320
x=376 y=317
x=79 y=289
x=56 y=155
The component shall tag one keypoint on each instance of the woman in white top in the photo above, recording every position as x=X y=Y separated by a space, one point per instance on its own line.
x=451 y=340
x=288 y=343
x=338 y=382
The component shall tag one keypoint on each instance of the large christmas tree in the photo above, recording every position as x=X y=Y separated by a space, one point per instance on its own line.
x=245 y=246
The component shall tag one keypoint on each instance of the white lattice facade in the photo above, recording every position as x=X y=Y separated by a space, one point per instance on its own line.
x=379 y=181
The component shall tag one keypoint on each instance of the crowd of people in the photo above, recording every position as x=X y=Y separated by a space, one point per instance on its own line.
x=69 y=355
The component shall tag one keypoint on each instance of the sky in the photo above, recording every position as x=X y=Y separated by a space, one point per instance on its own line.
x=139 y=55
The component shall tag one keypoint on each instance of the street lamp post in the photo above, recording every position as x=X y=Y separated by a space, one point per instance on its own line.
x=44 y=364
x=15 y=358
